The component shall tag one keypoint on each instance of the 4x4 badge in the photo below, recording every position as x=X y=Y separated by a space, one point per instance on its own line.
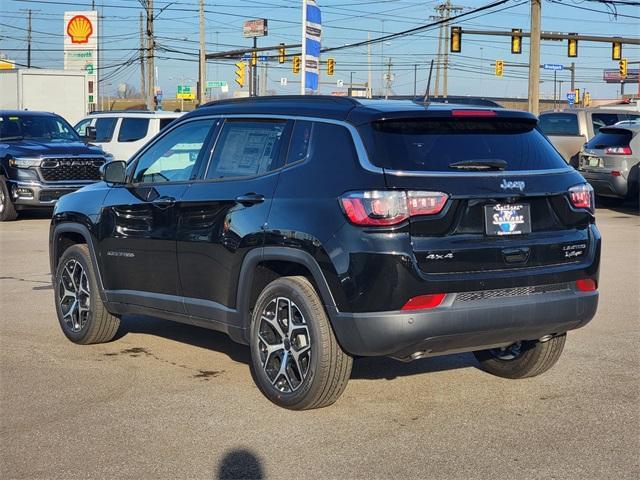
x=511 y=185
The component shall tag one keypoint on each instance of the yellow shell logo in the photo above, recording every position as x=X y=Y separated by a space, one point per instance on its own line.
x=79 y=29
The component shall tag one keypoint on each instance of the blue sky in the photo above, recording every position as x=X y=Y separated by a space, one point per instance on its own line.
x=344 y=22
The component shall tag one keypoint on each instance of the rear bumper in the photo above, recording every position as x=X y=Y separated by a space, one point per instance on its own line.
x=39 y=194
x=464 y=326
x=605 y=184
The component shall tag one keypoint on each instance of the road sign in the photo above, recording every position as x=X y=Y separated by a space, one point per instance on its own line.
x=246 y=56
x=263 y=58
x=254 y=28
x=89 y=68
x=216 y=83
x=571 y=98
x=283 y=81
x=340 y=83
x=184 y=89
x=553 y=66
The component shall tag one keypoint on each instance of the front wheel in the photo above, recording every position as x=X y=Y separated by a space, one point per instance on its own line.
x=296 y=360
x=7 y=209
x=527 y=358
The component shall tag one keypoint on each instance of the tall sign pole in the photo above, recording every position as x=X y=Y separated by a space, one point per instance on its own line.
x=303 y=76
x=534 y=58
x=201 y=62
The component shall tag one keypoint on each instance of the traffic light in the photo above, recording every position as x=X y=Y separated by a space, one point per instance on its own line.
x=623 y=68
x=331 y=66
x=296 y=64
x=240 y=73
x=516 y=41
x=577 y=93
x=254 y=58
x=281 y=53
x=587 y=99
x=499 y=68
x=456 y=39
x=616 y=50
x=572 y=46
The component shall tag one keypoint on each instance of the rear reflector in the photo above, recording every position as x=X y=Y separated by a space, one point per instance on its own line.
x=390 y=207
x=473 y=113
x=423 y=302
x=586 y=285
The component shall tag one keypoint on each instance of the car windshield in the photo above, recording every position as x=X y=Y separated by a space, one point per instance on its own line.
x=47 y=128
x=445 y=145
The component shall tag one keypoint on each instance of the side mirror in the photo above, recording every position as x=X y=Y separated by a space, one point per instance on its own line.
x=114 y=172
x=90 y=134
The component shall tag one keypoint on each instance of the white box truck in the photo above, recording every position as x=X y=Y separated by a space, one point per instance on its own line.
x=64 y=92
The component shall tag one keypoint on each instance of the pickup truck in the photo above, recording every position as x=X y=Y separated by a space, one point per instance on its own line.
x=569 y=129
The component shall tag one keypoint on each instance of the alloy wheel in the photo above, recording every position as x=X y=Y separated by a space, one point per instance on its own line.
x=74 y=295
x=284 y=344
x=2 y=199
x=510 y=352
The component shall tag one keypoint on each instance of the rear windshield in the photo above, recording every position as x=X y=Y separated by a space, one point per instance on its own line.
x=610 y=137
x=434 y=144
x=600 y=120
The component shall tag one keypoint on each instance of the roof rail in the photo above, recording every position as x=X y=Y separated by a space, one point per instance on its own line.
x=92 y=112
x=346 y=101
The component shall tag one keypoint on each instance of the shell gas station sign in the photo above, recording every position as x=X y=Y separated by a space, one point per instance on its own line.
x=81 y=48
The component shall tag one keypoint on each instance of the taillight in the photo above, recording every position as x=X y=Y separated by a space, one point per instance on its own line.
x=473 y=113
x=422 y=302
x=586 y=285
x=390 y=207
x=618 y=150
x=581 y=196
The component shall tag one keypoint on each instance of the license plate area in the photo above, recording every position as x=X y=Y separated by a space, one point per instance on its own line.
x=588 y=161
x=503 y=219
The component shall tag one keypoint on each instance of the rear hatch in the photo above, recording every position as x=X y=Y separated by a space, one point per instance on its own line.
x=610 y=150
x=510 y=204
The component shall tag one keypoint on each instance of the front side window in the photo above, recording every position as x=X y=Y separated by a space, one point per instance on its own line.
x=44 y=128
x=559 y=124
x=248 y=148
x=105 y=128
x=172 y=157
x=133 y=129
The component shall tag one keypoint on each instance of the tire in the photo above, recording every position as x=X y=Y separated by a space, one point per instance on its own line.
x=7 y=210
x=316 y=368
x=530 y=358
x=81 y=312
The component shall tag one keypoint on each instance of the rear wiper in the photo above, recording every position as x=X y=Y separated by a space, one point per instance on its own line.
x=479 y=165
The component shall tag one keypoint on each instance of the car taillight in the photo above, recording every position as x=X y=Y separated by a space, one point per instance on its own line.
x=473 y=113
x=618 y=150
x=390 y=207
x=423 y=302
x=586 y=285
x=581 y=196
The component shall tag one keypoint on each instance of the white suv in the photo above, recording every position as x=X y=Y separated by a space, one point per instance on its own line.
x=123 y=133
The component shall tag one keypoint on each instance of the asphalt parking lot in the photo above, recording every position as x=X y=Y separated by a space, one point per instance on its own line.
x=171 y=401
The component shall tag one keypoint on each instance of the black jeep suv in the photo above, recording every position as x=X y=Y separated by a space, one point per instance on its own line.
x=316 y=229
x=41 y=159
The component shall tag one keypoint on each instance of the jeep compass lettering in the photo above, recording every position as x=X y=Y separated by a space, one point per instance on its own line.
x=316 y=229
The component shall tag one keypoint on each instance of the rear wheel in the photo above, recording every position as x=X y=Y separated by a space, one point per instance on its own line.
x=296 y=360
x=7 y=210
x=82 y=315
x=522 y=359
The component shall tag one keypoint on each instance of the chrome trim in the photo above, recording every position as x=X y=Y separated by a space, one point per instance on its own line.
x=52 y=185
x=502 y=173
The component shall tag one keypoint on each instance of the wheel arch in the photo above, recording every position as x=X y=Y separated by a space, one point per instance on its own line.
x=260 y=266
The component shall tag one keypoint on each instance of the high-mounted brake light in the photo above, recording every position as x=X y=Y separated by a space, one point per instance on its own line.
x=473 y=113
x=581 y=196
x=626 y=150
x=390 y=207
x=586 y=285
x=423 y=302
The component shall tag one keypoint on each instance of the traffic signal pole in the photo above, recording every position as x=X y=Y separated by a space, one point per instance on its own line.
x=534 y=58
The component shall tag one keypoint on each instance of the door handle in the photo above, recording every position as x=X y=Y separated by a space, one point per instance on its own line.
x=164 y=202
x=250 y=199
x=516 y=255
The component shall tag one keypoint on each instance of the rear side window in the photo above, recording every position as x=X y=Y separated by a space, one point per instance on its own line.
x=246 y=148
x=559 y=124
x=132 y=129
x=105 y=128
x=600 y=120
x=434 y=144
x=300 y=144
x=610 y=137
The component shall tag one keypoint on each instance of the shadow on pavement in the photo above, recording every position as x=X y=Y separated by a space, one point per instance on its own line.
x=240 y=464
x=36 y=214
x=371 y=368
x=629 y=207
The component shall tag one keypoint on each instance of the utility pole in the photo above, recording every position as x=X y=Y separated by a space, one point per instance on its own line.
x=202 y=59
x=448 y=8
x=29 y=41
x=444 y=13
x=438 y=56
x=415 y=79
x=143 y=89
x=387 y=86
x=534 y=58
x=573 y=76
x=150 y=57
x=370 y=77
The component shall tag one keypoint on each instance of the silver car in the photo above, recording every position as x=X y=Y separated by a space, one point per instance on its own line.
x=609 y=162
